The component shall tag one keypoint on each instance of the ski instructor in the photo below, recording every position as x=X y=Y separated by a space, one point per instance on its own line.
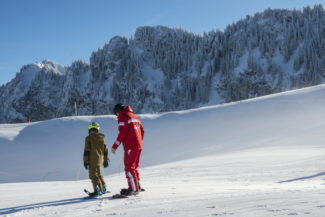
x=131 y=135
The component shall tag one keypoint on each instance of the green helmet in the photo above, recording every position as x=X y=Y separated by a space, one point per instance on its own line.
x=94 y=125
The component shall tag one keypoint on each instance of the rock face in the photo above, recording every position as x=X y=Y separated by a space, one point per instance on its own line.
x=163 y=69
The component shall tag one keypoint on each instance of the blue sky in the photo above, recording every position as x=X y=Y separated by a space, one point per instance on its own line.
x=68 y=30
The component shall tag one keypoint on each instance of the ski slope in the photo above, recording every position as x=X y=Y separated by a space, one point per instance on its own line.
x=260 y=157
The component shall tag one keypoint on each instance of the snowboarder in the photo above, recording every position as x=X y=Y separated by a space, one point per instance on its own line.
x=95 y=148
x=28 y=120
x=131 y=135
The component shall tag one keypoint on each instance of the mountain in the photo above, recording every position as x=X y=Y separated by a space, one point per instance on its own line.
x=257 y=157
x=163 y=69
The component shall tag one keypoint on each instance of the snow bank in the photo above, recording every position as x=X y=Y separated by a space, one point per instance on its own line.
x=261 y=157
x=52 y=150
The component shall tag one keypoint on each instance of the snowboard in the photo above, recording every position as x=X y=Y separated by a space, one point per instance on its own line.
x=115 y=196
x=89 y=194
x=95 y=196
x=119 y=196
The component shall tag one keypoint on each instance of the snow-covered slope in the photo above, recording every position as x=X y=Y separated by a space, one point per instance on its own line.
x=52 y=150
x=261 y=157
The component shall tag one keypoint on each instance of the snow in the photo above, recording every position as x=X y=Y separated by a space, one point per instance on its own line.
x=243 y=64
x=259 y=157
x=154 y=76
x=29 y=73
x=10 y=131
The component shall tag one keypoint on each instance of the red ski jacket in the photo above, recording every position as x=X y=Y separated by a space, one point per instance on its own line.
x=130 y=130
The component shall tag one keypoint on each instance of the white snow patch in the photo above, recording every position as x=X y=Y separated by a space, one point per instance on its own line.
x=153 y=76
x=242 y=66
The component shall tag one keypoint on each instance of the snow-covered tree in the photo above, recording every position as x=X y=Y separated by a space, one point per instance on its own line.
x=163 y=69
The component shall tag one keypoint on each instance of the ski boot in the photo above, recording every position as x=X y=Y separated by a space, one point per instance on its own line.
x=128 y=192
x=96 y=193
x=104 y=189
x=140 y=189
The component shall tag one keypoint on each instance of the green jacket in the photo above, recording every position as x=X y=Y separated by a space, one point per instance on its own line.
x=95 y=148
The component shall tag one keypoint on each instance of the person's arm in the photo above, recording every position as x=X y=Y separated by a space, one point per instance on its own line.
x=123 y=129
x=105 y=153
x=106 y=159
x=142 y=131
x=86 y=153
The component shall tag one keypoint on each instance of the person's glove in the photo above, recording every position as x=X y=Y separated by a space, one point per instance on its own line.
x=115 y=146
x=105 y=163
x=86 y=165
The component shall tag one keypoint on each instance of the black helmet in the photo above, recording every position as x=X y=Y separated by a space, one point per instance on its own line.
x=118 y=108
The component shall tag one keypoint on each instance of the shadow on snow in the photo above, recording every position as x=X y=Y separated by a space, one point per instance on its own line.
x=303 y=178
x=15 y=209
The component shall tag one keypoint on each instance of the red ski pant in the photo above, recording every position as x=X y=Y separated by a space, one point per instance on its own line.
x=131 y=163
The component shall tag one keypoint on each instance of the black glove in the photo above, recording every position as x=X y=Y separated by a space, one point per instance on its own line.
x=105 y=163
x=86 y=165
